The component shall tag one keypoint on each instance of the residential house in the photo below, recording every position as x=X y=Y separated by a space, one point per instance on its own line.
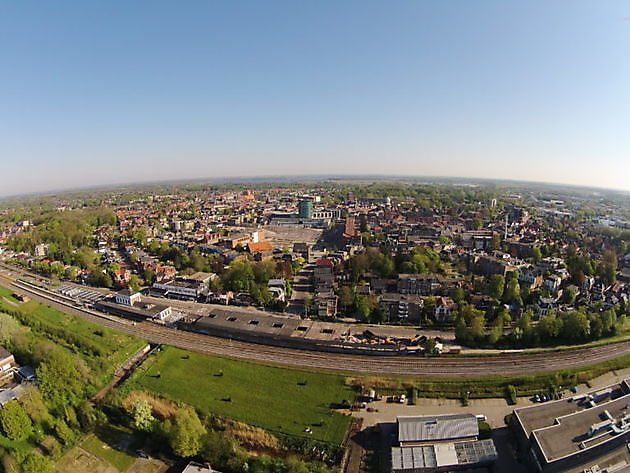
x=7 y=365
x=444 y=308
x=543 y=306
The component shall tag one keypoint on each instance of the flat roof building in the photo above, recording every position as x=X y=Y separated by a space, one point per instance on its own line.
x=573 y=433
x=443 y=456
x=428 y=444
x=429 y=429
x=138 y=311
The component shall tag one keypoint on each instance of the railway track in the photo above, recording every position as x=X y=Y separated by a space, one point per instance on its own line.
x=507 y=364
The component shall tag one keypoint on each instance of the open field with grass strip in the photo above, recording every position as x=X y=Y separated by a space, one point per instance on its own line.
x=489 y=386
x=111 y=348
x=274 y=398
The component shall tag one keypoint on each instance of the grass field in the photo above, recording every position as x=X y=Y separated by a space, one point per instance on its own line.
x=74 y=333
x=109 y=450
x=488 y=386
x=112 y=445
x=276 y=399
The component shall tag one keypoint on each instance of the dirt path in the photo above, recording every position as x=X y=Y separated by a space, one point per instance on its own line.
x=123 y=372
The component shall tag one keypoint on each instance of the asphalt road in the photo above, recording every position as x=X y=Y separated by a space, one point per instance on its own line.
x=507 y=364
x=302 y=289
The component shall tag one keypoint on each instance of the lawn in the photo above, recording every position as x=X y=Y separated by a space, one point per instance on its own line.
x=110 y=449
x=276 y=399
x=112 y=445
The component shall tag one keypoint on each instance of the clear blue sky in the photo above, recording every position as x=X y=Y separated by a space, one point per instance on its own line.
x=96 y=92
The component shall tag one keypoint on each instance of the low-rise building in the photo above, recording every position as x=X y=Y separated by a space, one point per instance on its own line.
x=7 y=365
x=193 y=287
x=422 y=284
x=127 y=297
x=444 y=308
x=427 y=444
x=576 y=433
x=402 y=306
x=194 y=467
x=137 y=311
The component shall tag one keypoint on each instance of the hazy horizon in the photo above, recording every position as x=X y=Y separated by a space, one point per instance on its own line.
x=104 y=94
x=311 y=178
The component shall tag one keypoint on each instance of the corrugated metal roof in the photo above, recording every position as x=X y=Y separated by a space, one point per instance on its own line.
x=432 y=428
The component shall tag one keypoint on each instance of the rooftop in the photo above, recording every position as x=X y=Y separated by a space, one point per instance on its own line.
x=566 y=427
x=436 y=428
x=443 y=455
x=570 y=434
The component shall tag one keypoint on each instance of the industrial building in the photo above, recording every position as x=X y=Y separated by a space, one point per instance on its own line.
x=428 y=444
x=572 y=435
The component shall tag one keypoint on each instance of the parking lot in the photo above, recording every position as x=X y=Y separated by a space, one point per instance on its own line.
x=494 y=409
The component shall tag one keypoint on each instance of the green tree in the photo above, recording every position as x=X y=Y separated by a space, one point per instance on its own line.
x=149 y=276
x=549 y=326
x=99 y=278
x=470 y=326
x=134 y=283
x=34 y=406
x=142 y=415
x=346 y=297
x=524 y=325
x=458 y=294
x=495 y=242
x=496 y=284
x=512 y=292
x=569 y=295
x=576 y=326
x=60 y=382
x=239 y=277
x=217 y=447
x=14 y=421
x=185 y=433
x=496 y=332
x=363 y=306
x=65 y=433
x=89 y=417
x=8 y=328
x=536 y=255
x=37 y=464
x=607 y=268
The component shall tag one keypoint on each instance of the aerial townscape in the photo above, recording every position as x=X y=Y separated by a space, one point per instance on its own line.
x=330 y=236
x=399 y=325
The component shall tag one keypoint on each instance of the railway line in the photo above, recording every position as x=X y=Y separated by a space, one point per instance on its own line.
x=506 y=364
